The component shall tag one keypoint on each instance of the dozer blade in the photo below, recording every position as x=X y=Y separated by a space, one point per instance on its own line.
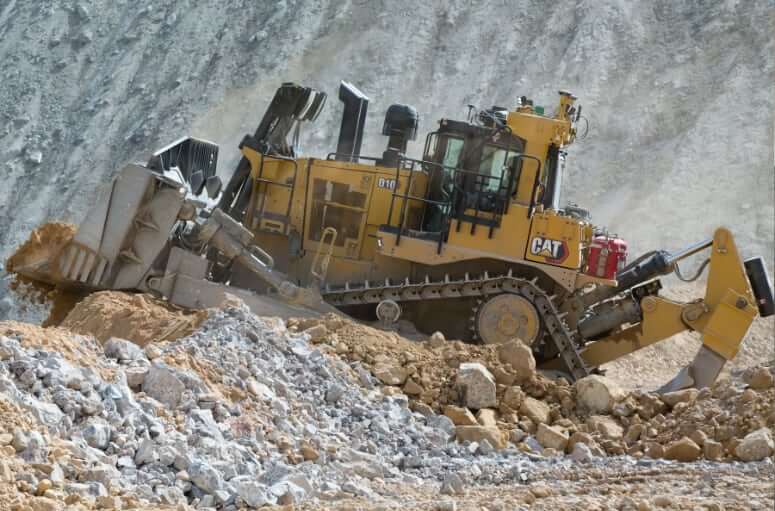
x=34 y=258
x=112 y=248
x=128 y=241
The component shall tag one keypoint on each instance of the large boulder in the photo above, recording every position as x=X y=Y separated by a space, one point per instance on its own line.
x=552 y=437
x=436 y=340
x=606 y=426
x=147 y=452
x=759 y=378
x=452 y=485
x=713 y=450
x=487 y=417
x=135 y=376
x=477 y=385
x=683 y=450
x=390 y=374
x=512 y=399
x=537 y=411
x=316 y=333
x=493 y=435
x=581 y=453
x=121 y=349
x=97 y=434
x=162 y=384
x=598 y=394
x=519 y=356
x=756 y=445
x=460 y=416
x=634 y=433
x=412 y=388
x=679 y=396
x=252 y=492
x=443 y=423
x=205 y=477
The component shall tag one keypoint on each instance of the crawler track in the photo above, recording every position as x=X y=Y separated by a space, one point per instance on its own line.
x=484 y=286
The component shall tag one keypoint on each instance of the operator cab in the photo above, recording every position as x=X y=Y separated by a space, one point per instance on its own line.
x=471 y=165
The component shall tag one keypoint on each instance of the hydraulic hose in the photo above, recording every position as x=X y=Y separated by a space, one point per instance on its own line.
x=701 y=269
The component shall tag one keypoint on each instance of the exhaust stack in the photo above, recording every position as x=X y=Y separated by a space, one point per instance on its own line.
x=353 y=120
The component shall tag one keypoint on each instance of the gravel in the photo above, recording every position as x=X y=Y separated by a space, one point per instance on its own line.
x=245 y=413
x=303 y=428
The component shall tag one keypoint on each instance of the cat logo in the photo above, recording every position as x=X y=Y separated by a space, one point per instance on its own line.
x=554 y=251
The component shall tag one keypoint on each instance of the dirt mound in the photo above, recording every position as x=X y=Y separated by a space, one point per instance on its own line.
x=539 y=414
x=76 y=349
x=727 y=411
x=425 y=373
x=11 y=416
x=690 y=424
x=139 y=318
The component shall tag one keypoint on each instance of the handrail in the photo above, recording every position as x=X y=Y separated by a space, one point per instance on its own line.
x=481 y=187
x=332 y=157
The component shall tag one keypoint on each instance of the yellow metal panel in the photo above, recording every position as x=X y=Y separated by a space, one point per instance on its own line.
x=269 y=203
x=508 y=240
x=526 y=182
x=383 y=183
x=539 y=132
x=555 y=240
x=728 y=324
x=299 y=207
x=369 y=246
x=726 y=269
x=340 y=199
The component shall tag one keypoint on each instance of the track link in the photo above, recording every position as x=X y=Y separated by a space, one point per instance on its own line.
x=484 y=286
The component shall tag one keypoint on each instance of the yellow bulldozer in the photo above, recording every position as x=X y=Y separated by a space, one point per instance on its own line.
x=471 y=239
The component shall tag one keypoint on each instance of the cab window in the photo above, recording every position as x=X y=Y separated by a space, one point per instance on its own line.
x=492 y=164
x=453 y=153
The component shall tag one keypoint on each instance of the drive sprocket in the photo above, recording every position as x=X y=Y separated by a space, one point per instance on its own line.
x=505 y=317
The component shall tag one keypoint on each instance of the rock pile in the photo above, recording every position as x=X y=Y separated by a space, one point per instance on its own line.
x=241 y=413
x=494 y=394
x=248 y=411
